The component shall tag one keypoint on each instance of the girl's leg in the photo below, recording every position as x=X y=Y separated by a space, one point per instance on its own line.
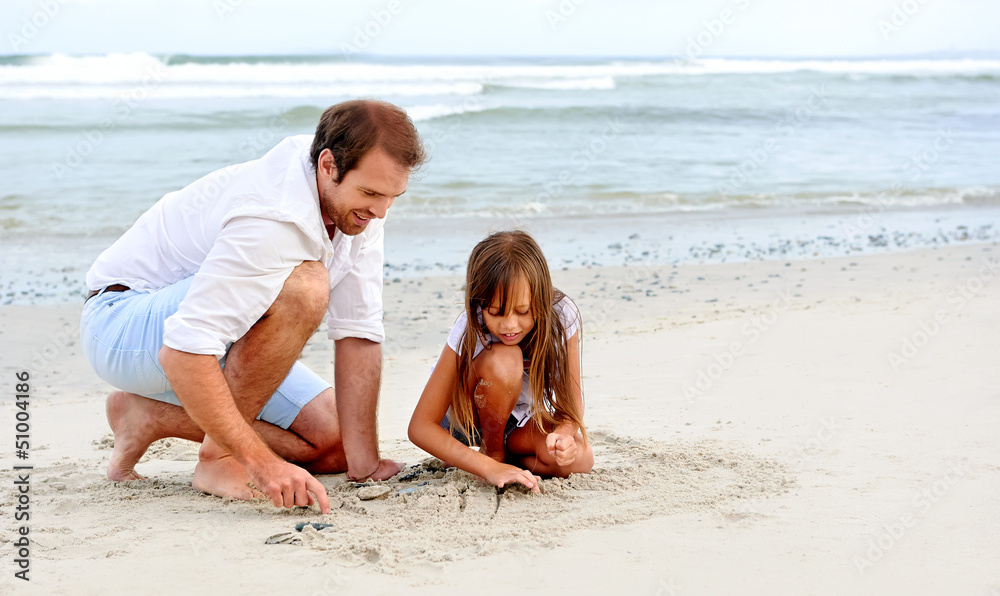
x=496 y=376
x=528 y=445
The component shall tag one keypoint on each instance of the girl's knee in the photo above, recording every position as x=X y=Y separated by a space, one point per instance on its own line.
x=584 y=462
x=501 y=364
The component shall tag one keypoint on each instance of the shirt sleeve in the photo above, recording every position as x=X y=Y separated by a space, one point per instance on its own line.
x=356 y=301
x=569 y=314
x=456 y=333
x=240 y=278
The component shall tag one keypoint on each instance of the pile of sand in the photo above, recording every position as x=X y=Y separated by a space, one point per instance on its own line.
x=428 y=513
x=425 y=514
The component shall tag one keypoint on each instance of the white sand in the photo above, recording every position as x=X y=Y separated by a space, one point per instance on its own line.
x=808 y=464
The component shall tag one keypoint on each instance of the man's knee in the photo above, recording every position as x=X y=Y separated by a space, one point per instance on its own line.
x=501 y=364
x=318 y=425
x=306 y=293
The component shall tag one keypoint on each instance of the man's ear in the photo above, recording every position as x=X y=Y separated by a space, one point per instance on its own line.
x=328 y=164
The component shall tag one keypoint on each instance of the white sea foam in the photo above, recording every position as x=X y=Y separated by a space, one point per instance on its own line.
x=668 y=202
x=871 y=66
x=60 y=76
x=419 y=113
x=162 y=91
x=569 y=84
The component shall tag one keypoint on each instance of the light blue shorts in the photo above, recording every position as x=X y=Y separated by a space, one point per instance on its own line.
x=122 y=333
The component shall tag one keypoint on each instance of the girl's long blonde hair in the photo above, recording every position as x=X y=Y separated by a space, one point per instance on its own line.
x=495 y=267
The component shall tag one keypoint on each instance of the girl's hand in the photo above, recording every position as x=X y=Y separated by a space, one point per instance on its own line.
x=562 y=447
x=503 y=474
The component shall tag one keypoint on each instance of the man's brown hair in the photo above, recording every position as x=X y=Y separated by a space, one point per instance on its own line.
x=353 y=128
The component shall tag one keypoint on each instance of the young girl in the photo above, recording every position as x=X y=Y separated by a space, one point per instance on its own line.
x=508 y=380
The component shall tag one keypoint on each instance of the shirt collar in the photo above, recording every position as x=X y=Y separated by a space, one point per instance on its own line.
x=314 y=189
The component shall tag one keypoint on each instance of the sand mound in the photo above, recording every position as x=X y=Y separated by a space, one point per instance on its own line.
x=432 y=514
x=426 y=514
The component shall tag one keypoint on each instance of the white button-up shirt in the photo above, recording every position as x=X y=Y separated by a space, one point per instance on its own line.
x=240 y=231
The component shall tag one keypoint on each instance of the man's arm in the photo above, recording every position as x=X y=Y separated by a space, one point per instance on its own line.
x=201 y=388
x=358 y=376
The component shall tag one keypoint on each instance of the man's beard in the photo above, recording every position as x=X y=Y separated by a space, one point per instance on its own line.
x=345 y=222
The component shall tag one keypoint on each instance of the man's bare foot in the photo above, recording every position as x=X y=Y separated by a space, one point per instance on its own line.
x=132 y=423
x=219 y=474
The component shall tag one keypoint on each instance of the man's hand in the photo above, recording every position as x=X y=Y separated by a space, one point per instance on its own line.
x=288 y=485
x=562 y=447
x=385 y=470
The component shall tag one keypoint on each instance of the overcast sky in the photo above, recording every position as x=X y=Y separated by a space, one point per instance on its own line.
x=790 y=28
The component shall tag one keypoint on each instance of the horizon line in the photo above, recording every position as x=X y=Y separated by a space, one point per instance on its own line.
x=936 y=54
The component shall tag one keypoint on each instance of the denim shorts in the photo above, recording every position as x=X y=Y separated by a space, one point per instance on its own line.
x=122 y=333
x=472 y=441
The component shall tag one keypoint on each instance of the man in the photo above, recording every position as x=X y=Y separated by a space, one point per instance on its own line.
x=200 y=311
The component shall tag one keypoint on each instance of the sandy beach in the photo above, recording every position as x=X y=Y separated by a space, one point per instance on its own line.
x=823 y=426
x=780 y=221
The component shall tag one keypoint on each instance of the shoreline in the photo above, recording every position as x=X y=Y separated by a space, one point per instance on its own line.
x=51 y=271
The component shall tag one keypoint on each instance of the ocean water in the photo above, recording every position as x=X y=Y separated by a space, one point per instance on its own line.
x=610 y=161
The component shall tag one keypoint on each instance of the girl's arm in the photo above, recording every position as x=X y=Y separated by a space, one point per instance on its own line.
x=425 y=430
